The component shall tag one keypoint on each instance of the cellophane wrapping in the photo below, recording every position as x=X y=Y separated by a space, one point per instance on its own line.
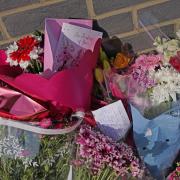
x=28 y=155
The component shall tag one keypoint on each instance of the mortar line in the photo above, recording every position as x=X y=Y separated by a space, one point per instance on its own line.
x=135 y=18
x=149 y=28
x=145 y=50
x=122 y=35
x=4 y=30
x=129 y=9
x=177 y=26
x=29 y=7
x=6 y=41
x=90 y=8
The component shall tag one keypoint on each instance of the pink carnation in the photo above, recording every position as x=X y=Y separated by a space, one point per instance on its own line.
x=148 y=62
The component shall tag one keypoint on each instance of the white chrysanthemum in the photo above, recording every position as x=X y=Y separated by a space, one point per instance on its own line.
x=168 y=85
x=159 y=95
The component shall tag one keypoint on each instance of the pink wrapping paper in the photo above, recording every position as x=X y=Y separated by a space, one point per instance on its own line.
x=15 y=105
x=49 y=92
x=52 y=34
x=70 y=88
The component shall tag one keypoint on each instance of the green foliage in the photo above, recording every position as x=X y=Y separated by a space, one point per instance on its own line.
x=52 y=162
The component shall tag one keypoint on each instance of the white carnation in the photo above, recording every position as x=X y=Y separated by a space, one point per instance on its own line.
x=24 y=64
x=34 y=53
x=12 y=47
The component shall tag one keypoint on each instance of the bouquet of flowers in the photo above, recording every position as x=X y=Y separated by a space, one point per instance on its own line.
x=26 y=152
x=99 y=157
x=175 y=175
x=47 y=129
x=152 y=82
x=42 y=105
x=27 y=53
x=151 y=85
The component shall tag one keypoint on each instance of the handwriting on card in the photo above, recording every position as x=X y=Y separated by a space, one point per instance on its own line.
x=113 y=120
x=84 y=39
x=73 y=42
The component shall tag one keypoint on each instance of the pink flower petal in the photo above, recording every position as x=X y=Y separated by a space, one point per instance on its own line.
x=3 y=57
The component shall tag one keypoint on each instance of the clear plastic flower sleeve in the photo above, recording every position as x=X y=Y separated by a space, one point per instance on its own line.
x=35 y=153
x=152 y=82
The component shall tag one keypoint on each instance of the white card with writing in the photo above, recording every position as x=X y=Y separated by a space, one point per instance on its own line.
x=113 y=120
x=73 y=42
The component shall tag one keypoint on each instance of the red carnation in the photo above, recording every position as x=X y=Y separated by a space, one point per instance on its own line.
x=27 y=43
x=20 y=55
x=175 y=61
x=25 y=46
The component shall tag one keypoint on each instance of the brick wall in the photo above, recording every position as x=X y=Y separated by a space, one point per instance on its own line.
x=123 y=18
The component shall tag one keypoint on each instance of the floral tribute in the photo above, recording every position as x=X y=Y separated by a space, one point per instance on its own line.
x=154 y=79
x=175 y=175
x=25 y=51
x=46 y=123
x=103 y=157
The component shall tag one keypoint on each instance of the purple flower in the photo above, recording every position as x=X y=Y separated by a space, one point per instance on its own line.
x=143 y=65
x=141 y=76
x=100 y=151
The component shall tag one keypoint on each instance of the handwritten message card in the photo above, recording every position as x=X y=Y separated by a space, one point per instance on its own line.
x=73 y=42
x=113 y=120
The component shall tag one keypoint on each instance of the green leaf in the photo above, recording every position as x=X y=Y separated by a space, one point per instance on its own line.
x=103 y=55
